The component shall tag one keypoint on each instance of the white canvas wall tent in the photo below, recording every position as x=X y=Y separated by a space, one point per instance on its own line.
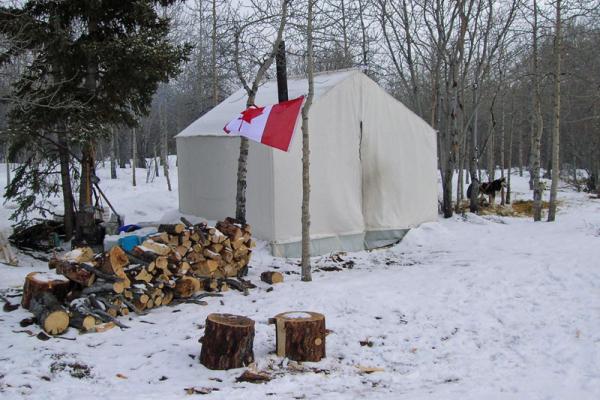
x=373 y=168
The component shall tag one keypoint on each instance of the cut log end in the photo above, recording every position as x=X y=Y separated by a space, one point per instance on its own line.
x=56 y=322
x=50 y=315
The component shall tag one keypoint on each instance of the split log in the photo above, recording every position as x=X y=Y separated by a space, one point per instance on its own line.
x=207 y=267
x=161 y=237
x=80 y=255
x=300 y=335
x=116 y=261
x=158 y=248
x=227 y=342
x=271 y=277
x=211 y=255
x=171 y=229
x=50 y=315
x=186 y=286
x=42 y=282
x=233 y=231
x=194 y=257
x=143 y=275
x=162 y=262
x=74 y=272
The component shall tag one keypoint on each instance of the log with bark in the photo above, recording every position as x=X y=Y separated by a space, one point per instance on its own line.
x=227 y=342
x=48 y=312
x=271 y=277
x=44 y=282
x=300 y=335
x=73 y=271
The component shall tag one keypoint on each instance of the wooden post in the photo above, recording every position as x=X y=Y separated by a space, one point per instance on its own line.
x=227 y=342
x=300 y=335
x=281 y=64
x=41 y=282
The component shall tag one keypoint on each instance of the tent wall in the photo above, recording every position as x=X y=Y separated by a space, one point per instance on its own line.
x=208 y=175
x=335 y=176
x=399 y=158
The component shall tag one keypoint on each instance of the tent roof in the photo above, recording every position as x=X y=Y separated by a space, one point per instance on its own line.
x=212 y=123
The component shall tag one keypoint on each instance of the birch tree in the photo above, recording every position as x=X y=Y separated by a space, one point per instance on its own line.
x=306 y=274
x=538 y=185
x=556 y=127
x=251 y=88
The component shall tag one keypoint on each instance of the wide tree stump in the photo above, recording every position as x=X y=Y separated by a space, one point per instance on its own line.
x=300 y=335
x=227 y=342
x=50 y=315
x=44 y=282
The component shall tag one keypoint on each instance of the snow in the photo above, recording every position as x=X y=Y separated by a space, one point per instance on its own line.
x=469 y=307
x=73 y=255
x=298 y=315
x=49 y=277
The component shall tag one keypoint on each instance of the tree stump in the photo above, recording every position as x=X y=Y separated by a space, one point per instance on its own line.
x=44 y=282
x=300 y=335
x=50 y=315
x=227 y=342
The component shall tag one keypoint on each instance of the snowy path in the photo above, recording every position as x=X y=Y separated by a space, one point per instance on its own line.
x=470 y=308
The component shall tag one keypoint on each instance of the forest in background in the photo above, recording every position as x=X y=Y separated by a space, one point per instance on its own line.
x=483 y=73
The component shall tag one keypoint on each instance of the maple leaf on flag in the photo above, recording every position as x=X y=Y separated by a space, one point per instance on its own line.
x=270 y=125
x=250 y=113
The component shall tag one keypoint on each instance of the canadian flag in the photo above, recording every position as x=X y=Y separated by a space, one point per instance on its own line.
x=271 y=125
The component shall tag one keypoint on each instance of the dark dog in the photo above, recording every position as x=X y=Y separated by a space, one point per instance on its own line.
x=489 y=188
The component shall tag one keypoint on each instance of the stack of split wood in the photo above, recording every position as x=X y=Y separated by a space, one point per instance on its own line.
x=174 y=264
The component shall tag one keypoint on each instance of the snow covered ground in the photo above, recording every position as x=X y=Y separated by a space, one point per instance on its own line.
x=470 y=307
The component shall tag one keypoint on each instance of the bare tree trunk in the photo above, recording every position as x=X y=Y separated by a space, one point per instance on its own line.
x=473 y=159
x=85 y=219
x=531 y=157
x=213 y=59
x=306 y=274
x=240 y=198
x=113 y=154
x=101 y=151
x=363 y=31
x=345 y=32
x=164 y=150
x=510 y=151
x=6 y=160
x=502 y=145
x=67 y=189
x=133 y=155
x=156 y=162
x=539 y=125
x=490 y=147
x=520 y=152
x=556 y=127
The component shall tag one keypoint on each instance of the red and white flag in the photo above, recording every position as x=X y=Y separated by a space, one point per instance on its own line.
x=271 y=125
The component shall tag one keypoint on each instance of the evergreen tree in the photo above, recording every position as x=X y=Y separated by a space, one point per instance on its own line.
x=93 y=64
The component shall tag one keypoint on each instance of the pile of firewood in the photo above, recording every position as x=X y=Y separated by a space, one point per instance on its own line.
x=172 y=265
